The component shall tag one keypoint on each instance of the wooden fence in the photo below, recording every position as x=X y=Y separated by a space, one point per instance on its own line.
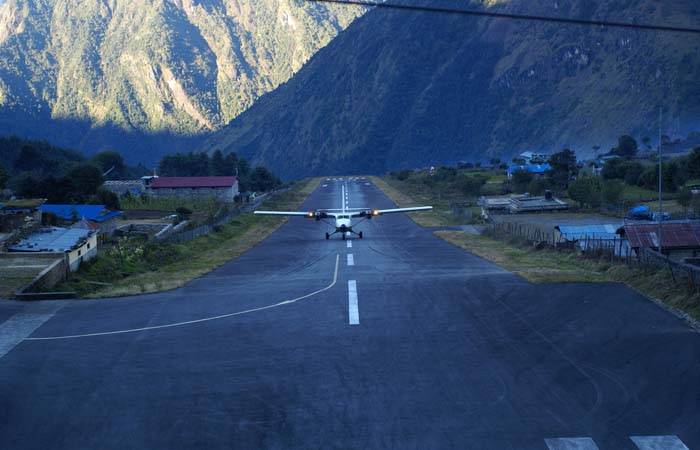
x=202 y=230
x=612 y=250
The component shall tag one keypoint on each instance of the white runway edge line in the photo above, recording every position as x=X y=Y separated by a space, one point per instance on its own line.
x=206 y=319
x=351 y=259
x=353 y=308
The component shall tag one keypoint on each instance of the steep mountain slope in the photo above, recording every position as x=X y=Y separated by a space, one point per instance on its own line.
x=404 y=89
x=92 y=73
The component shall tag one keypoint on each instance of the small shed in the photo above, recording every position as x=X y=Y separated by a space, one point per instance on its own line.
x=597 y=236
x=679 y=239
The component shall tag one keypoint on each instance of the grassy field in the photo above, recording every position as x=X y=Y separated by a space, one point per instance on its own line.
x=552 y=266
x=405 y=195
x=136 y=267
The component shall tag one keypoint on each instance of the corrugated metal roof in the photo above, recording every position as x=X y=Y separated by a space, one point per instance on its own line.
x=533 y=168
x=192 y=182
x=52 y=239
x=96 y=213
x=675 y=235
x=579 y=232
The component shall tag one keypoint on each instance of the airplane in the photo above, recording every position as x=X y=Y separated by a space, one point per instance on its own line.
x=343 y=217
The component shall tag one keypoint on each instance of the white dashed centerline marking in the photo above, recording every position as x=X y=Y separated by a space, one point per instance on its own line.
x=349 y=244
x=351 y=260
x=353 y=310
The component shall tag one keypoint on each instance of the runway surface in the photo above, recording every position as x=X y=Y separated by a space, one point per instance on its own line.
x=410 y=343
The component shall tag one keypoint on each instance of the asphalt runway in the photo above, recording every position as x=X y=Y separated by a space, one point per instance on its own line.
x=411 y=343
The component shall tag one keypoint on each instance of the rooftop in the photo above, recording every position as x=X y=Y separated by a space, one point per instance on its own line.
x=52 y=239
x=533 y=168
x=192 y=182
x=579 y=232
x=95 y=213
x=675 y=235
x=29 y=203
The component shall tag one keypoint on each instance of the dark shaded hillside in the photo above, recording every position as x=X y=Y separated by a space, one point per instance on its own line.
x=402 y=89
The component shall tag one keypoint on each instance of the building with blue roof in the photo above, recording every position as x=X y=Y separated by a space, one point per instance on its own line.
x=536 y=169
x=104 y=219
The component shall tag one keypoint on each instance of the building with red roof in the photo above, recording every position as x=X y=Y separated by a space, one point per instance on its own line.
x=223 y=189
x=679 y=239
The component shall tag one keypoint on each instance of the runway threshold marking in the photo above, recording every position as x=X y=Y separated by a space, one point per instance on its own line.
x=658 y=443
x=206 y=319
x=16 y=329
x=351 y=259
x=581 y=443
x=353 y=308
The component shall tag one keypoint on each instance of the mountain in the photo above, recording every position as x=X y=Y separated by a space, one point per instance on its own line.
x=405 y=89
x=150 y=76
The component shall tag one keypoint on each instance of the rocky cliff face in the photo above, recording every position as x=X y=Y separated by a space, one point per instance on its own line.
x=94 y=73
x=404 y=89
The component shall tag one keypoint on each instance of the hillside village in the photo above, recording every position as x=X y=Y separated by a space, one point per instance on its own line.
x=607 y=202
x=52 y=226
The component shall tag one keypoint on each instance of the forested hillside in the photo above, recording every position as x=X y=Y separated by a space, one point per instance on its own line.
x=148 y=77
x=405 y=89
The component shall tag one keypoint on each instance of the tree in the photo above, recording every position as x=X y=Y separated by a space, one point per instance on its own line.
x=86 y=179
x=470 y=186
x=110 y=161
x=3 y=178
x=685 y=197
x=217 y=164
x=27 y=159
x=563 y=168
x=596 y=149
x=522 y=180
x=262 y=180
x=612 y=191
x=614 y=169
x=626 y=147
x=646 y=140
x=586 y=191
x=107 y=198
x=692 y=163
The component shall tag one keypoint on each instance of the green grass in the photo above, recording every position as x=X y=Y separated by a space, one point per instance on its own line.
x=553 y=266
x=639 y=194
x=133 y=266
x=406 y=194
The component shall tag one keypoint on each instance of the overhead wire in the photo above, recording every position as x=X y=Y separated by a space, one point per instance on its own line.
x=512 y=16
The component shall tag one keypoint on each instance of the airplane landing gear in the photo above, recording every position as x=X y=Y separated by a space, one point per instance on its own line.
x=328 y=236
x=360 y=234
x=343 y=236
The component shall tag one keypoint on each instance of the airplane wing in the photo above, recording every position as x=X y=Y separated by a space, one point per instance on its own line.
x=309 y=214
x=379 y=212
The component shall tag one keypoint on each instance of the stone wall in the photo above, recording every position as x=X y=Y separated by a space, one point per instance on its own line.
x=55 y=273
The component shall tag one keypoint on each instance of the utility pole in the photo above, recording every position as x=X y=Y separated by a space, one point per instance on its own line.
x=660 y=204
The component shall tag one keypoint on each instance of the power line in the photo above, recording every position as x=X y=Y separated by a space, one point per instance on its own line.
x=500 y=15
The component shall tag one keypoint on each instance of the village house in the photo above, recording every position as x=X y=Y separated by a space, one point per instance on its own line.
x=535 y=169
x=77 y=244
x=680 y=240
x=534 y=157
x=103 y=220
x=16 y=213
x=224 y=189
